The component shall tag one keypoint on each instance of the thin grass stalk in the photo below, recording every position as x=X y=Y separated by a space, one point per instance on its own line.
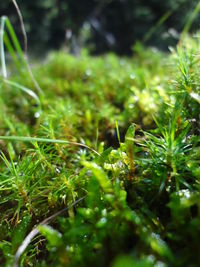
x=38 y=88
x=3 y=61
x=35 y=231
x=45 y=140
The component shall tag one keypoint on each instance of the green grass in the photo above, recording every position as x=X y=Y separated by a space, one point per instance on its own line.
x=112 y=143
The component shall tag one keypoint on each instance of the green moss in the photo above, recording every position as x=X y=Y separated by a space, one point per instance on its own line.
x=140 y=183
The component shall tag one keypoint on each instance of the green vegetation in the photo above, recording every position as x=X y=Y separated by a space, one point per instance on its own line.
x=105 y=24
x=115 y=143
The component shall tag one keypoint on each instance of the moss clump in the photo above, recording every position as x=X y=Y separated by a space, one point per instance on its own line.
x=140 y=191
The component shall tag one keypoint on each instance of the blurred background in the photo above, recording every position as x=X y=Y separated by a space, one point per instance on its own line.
x=100 y=25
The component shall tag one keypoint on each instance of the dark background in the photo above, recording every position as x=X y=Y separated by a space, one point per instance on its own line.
x=102 y=25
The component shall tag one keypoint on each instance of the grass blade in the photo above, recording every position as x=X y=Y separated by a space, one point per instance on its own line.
x=15 y=41
x=24 y=89
x=160 y=22
x=23 y=60
x=45 y=140
x=3 y=61
x=11 y=51
x=35 y=231
x=191 y=19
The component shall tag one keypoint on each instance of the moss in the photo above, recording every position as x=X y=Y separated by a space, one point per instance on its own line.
x=140 y=190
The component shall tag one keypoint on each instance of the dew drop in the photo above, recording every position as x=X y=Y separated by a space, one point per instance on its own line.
x=37 y=115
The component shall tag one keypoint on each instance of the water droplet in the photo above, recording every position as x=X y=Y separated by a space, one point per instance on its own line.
x=37 y=115
x=131 y=106
x=104 y=212
x=57 y=170
x=132 y=76
x=184 y=193
x=88 y=72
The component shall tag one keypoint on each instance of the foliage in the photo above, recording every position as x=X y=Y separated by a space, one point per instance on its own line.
x=113 y=24
x=138 y=187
